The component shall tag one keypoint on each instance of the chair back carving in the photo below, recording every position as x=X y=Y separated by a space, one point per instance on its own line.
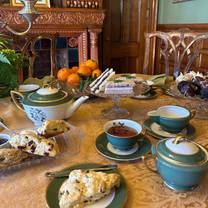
x=177 y=48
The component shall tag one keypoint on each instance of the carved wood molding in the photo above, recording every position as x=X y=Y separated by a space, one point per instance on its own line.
x=83 y=47
x=82 y=24
x=57 y=17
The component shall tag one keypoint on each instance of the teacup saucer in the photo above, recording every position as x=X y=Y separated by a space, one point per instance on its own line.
x=149 y=125
x=157 y=129
x=121 y=152
x=142 y=147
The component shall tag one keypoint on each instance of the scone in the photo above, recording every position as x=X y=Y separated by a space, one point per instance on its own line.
x=34 y=144
x=85 y=187
x=53 y=127
x=11 y=157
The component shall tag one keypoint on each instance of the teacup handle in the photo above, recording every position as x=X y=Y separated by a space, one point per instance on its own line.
x=193 y=113
x=154 y=116
x=152 y=113
x=147 y=157
x=13 y=93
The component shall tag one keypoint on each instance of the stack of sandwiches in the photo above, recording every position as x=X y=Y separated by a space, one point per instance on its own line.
x=110 y=84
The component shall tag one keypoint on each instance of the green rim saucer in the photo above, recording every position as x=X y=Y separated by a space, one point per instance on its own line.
x=142 y=147
x=149 y=95
x=190 y=130
x=119 y=197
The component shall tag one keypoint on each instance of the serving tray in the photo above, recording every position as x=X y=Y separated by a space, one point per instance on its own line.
x=69 y=145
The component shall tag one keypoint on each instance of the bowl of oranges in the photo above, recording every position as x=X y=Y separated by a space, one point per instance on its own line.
x=79 y=77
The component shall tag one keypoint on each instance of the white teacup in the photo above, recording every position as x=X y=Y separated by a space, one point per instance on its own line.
x=172 y=118
x=25 y=89
x=28 y=88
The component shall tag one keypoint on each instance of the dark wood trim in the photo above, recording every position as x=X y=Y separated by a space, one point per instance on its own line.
x=123 y=37
x=51 y=9
x=195 y=27
x=64 y=18
x=149 y=16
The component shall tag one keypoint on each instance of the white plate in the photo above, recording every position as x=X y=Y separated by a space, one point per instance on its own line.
x=104 y=202
x=120 y=152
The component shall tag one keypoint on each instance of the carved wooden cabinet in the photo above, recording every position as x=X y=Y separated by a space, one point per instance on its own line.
x=80 y=26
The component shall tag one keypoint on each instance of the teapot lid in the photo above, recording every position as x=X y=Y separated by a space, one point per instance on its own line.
x=47 y=91
x=46 y=97
x=182 y=151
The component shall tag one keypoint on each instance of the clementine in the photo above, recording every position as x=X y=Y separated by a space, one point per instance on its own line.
x=73 y=79
x=63 y=73
x=75 y=69
x=84 y=71
x=96 y=73
x=91 y=63
x=82 y=64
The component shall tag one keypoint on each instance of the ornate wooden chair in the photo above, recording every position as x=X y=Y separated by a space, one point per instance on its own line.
x=174 y=51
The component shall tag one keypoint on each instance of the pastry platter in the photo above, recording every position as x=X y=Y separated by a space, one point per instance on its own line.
x=68 y=143
x=193 y=87
x=116 y=199
x=115 y=87
x=195 y=102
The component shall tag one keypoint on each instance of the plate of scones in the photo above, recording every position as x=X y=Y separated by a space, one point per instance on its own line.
x=86 y=188
x=28 y=146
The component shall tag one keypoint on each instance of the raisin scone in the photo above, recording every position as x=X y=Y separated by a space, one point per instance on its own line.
x=34 y=144
x=53 y=127
x=85 y=187
x=11 y=157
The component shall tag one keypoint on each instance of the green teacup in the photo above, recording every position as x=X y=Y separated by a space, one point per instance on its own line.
x=123 y=142
x=171 y=118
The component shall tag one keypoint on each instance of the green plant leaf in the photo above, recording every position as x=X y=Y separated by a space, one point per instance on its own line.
x=2 y=42
x=9 y=69
x=4 y=59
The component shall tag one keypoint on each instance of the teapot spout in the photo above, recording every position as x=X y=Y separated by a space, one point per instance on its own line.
x=75 y=105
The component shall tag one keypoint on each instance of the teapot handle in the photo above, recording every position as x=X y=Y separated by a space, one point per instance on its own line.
x=145 y=158
x=13 y=93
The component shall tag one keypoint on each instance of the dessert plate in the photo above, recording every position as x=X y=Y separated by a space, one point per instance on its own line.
x=142 y=147
x=116 y=199
x=149 y=95
x=189 y=131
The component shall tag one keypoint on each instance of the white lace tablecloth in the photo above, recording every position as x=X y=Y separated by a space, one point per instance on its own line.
x=26 y=188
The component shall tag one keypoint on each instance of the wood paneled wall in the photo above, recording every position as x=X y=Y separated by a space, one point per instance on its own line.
x=123 y=36
x=201 y=63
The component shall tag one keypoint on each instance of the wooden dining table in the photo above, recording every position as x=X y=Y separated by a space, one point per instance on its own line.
x=26 y=187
